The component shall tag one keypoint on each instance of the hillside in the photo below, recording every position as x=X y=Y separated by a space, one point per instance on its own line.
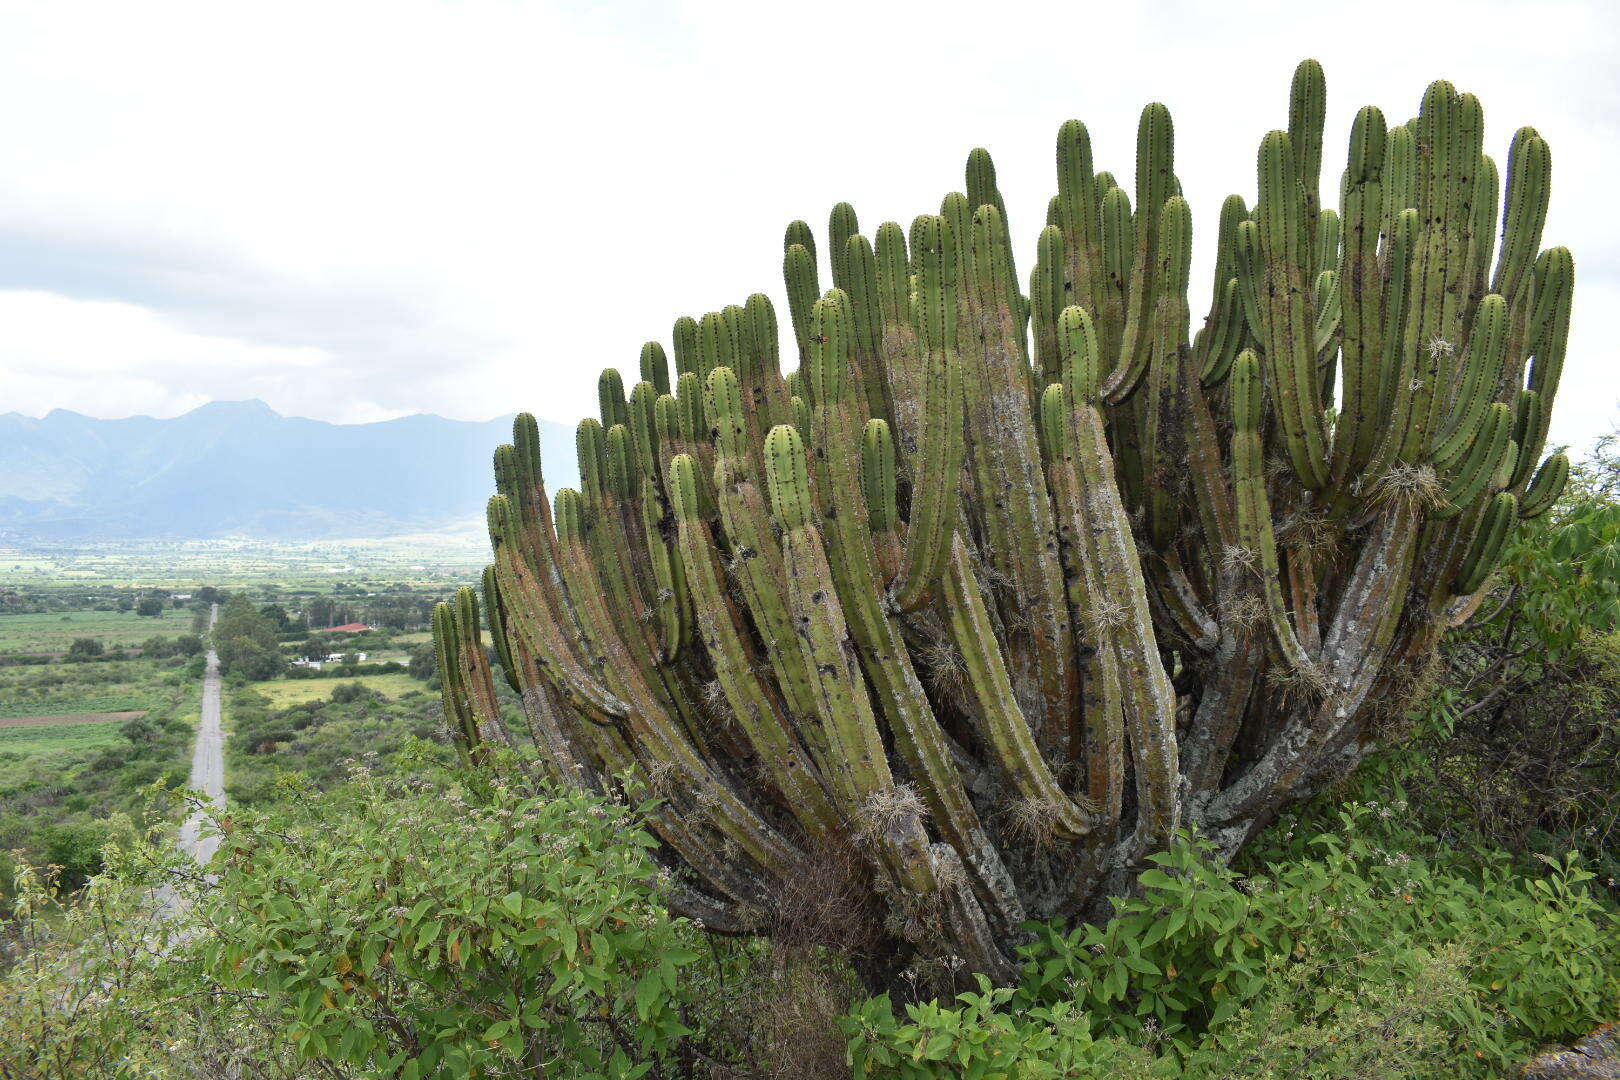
x=238 y=468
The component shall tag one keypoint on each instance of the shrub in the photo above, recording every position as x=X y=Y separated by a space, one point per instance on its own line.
x=1352 y=936
x=437 y=936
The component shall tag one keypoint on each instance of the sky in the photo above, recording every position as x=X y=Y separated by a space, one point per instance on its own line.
x=358 y=210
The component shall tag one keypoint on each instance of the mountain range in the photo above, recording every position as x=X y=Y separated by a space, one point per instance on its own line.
x=239 y=468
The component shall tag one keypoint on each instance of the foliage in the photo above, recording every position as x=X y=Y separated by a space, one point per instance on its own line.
x=62 y=780
x=278 y=748
x=441 y=936
x=1518 y=739
x=85 y=649
x=107 y=983
x=246 y=640
x=1369 y=929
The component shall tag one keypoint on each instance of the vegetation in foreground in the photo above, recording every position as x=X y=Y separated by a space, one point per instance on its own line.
x=465 y=924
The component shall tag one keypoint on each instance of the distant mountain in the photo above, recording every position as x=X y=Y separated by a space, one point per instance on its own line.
x=238 y=468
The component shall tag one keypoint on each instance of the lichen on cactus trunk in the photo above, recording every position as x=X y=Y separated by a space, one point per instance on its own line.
x=996 y=592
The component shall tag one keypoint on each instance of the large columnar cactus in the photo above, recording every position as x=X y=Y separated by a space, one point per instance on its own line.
x=995 y=592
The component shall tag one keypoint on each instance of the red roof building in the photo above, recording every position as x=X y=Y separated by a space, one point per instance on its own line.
x=346 y=628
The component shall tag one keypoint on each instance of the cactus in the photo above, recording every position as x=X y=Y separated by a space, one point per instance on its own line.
x=996 y=591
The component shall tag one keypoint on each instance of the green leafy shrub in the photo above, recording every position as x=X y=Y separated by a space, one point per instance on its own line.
x=1337 y=941
x=104 y=983
x=439 y=935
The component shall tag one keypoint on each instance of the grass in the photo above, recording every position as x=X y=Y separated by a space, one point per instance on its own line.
x=59 y=738
x=285 y=692
x=278 y=750
x=104 y=686
x=64 y=786
x=55 y=631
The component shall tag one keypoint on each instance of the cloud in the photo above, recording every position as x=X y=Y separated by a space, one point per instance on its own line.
x=469 y=208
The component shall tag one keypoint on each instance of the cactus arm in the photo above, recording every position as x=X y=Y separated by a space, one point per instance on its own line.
x=937 y=463
x=897 y=693
x=799 y=274
x=1255 y=535
x=1500 y=517
x=1046 y=292
x=655 y=366
x=1307 y=113
x=879 y=487
x=497 y=627
x=1482 y=371
x=1004 y=724
x=1210 y=487
x=831 y=664
x=670 y=599
x=1164 y=441
x=453 y=691
x=1481 y=464
x=1149 y=699
x=860 y=285
x=1155 y=168
x=1329 y=317
x=1529 y=169
x=1016 y=504
x=756 y=550
x=1546 y=488
x=1556 y=281
x=899 y=351
x=657 y=736
x=756 y=709
x=544 y=621
x=1271 y=254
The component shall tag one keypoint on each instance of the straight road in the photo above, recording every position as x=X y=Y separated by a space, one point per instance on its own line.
x=207 y=761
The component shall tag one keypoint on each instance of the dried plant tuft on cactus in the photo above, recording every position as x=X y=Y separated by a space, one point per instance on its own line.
x=997 y=591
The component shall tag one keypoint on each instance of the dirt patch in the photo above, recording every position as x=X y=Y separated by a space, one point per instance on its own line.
x=69 y=718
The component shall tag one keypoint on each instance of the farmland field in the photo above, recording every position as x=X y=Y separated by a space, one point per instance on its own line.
x=29 y=740
x=54 y=631
x=423 y=559
x=101 y=687
x=284 y=692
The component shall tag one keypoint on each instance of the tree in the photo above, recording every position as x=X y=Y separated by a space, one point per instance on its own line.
x=158 y=647
x=251 y=660
x=986 y=614
x=188 y=644
x=319 y=612
x=85 y=649
x=423 y=662
x=138 y=730
x=313 y=648
x=246 y=640
x=150 y=606
x=277 y=617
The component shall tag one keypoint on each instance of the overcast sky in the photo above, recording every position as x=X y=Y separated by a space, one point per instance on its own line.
x=358 y=210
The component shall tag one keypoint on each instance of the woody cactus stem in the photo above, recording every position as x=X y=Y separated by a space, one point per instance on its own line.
x=996 y=591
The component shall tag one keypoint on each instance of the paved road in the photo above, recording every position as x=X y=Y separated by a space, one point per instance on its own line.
x=207 y=761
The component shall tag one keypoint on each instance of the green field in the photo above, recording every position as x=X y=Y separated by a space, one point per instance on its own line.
x=74 y=739
x=101 y=686
x=285 y=692
x=55 y=631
